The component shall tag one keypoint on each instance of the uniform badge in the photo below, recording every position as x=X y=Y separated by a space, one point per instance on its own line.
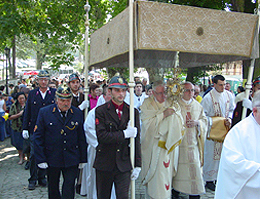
x=76 y=123
x=72 y=123
x=35 y=128
x=62 y=131
x=97 y=121
x=120 y=80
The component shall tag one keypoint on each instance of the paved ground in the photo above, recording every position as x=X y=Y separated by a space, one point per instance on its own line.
x=14 y=179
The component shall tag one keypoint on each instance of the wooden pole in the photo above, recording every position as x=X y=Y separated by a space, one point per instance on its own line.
x=87 y=9
x=131 y=89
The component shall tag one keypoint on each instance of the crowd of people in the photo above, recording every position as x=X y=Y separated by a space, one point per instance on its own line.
x=175 y=150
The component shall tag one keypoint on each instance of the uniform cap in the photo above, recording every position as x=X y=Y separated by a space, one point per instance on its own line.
x=43 y=73
x=73 y=76
x=117 y=82
x=63 y=92
x=256 y=81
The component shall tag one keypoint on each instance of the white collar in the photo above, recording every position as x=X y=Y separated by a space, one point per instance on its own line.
x=74 y=95
x=216 y=93
x=187 y=101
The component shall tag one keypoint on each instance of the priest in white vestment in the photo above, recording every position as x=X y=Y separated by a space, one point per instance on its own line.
x=239 y=169
x=162 y=132
x=189 y=178
x=218 y=102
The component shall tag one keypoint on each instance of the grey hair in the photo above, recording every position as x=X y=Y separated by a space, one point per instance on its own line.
x=256 y=99
x=157 y=83
x=184 y=83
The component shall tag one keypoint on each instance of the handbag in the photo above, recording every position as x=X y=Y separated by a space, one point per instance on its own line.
x=218 y=130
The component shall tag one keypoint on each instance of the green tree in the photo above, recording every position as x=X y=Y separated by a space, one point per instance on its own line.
x=54 y=27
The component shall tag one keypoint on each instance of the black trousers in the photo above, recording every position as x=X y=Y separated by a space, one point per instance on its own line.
x=105 y=180
x=36 y=173
x=68 y=187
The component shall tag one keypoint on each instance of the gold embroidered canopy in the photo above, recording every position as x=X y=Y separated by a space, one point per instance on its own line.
x=201 y=36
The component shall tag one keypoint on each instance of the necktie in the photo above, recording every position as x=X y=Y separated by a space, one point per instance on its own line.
x=119 y=109
x=119 y=113
x=63 y=113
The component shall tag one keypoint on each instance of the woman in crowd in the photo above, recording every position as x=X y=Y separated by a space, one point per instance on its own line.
x=2 y=121
x=15 y=115
x=93 y=96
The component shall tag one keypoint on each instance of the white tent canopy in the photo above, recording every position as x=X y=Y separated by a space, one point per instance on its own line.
x=201 y=36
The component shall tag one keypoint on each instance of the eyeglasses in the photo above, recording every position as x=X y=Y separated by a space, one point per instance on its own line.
x=160 y=93
x=189 y=90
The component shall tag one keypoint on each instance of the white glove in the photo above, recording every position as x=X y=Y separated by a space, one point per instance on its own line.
x=43 y=165
x=84 y=105
x=135 y=173
x=130 y=132
x=247 y=103
x=82 y=165
x=25 y=134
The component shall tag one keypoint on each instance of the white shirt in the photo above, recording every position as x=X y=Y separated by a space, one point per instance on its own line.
x=44 y=94
x=2 y=102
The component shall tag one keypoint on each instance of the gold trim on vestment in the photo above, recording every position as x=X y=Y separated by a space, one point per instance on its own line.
x=162 y=145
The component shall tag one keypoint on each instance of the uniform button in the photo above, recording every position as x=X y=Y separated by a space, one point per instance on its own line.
x=65 y=141
x=65 y=134
x=65 y=149
x=118 y=150
x=43 y=104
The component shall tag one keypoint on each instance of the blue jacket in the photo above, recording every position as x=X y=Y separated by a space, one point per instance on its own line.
x=33 y=105
x=59 y=143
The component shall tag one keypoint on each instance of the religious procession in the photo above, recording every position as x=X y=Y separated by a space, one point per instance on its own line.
x=174 y=136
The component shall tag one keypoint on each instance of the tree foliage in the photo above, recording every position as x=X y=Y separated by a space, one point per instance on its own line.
x=55 y=27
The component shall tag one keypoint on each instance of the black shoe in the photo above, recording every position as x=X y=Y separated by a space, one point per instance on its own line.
x=78 y=186
x=194 y=197
x=210 y=185
x=27 y=165
x=175 y=194
x=42 y=183
x=31 y=186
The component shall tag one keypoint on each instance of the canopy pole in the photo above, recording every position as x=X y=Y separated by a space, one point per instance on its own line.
x=87 y=9
x=248 y=85
x=131 y=89
x=250 y=73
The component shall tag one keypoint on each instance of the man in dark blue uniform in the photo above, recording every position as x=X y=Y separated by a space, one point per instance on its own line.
x=60 y=144
x=74 y=84
x=37 y=99
x=112 y=162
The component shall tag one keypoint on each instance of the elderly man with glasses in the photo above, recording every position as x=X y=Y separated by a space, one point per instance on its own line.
x=162 y=132
x=189 y=178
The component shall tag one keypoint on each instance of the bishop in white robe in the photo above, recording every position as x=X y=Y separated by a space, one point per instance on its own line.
x=189 y=178
x=161 y=135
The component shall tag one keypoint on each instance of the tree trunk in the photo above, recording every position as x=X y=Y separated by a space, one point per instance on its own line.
x=122 y=72
x=38 y=60
x=14 y=56
x=155 y=74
